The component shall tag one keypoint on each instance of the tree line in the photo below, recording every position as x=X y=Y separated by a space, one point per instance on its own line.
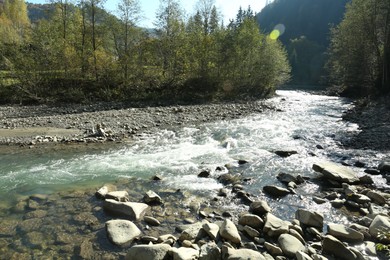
x=81 y=53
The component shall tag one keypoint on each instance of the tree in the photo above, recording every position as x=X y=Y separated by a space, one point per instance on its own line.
x=14 y=21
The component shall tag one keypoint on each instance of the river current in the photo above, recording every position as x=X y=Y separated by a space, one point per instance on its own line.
x=303 y=122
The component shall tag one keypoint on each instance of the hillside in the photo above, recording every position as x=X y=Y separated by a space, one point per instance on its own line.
x=306 y=37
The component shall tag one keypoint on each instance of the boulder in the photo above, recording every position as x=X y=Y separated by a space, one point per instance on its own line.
x=209 y=251
x=311 y=219
x=212 y=230
x=251 y=220
x=251 y=231
x=379 y=225
x=274 y=226
x=134 y=210
x=285 y=154
x=296 y=234
x=151 y=221
x=118 y=196
x=290 y=245
x=191 y=231
x=240 y=254
x=204 y=174
x=376 y=197
x=152 y=198
x=384 y=167
x=286 y=178
x=302 y=256
x=276 y=191
x=336 y=172
x=148 y=252
x=273 y=249
x=344 y=233
x=333 y=246
x=122 y=232
x=101 y=193
x=259 y=208
x=229 y=232
x=184 y=253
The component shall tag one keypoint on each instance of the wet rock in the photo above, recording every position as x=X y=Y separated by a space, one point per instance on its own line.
x=122 y=232
x=236 y=254
x=102 y=192
x=212 y=230
x=259 y=208
x=359 y=198
x=157 y=178
x=242 y=162
x=209 y=251
x=338 y=203
x=319 y=200
x=286 y=178
x=285 y=154
x=151 y=221
x=204 y=174
x=384 y=167
x=273 y=249
x=302 y=256
x=34 y=240
x=366 y=180
x=184 y=253
x=359 y=164
x=335 y=172
x=228 y=178
x=274 y=226
x=36 y=214
x=290 y=245
x=370 y=248
x=251 y=220
x=275 y=191
x=118 y=196
x=152 y=198
x=85 y=251
x=372 y=171
x=29 y=225
x=148 y=252
x=333 y=246
x=134 y=210
x=376 y=197
x=229 y=232
x=379 y=225
x=344 y=233
x=311 y=219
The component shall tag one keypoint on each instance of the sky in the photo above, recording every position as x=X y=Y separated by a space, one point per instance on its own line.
x=228 y=8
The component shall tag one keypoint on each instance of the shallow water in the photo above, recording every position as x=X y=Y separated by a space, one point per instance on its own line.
x=302 y=122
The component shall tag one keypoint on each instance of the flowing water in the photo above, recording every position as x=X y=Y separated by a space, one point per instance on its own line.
x=302 y=122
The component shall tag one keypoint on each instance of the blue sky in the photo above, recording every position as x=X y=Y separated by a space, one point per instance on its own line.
x=228 y=8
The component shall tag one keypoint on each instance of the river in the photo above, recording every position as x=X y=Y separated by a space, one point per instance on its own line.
x=304 y=122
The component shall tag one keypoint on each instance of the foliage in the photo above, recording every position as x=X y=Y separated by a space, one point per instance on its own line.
x=78 y=52
x=360 y=45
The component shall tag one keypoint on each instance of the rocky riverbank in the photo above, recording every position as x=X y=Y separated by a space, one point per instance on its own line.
x=107 y=122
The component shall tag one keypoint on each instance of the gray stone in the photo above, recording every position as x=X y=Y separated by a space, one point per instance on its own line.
x=333 y=246
x=251 y=231
x=274 y=226
x=191 y=231
x=276 y=191
x=165 y=238
x=286 y=178
x=152 y=198
x=273 y=249
x=376 y=197
x=302 y=256
x=337 y=203
x=285 y=154
x=212 y=230
x=102 y=192
x=229 y=232
x=122 y=232
x=251 y=220
x=134 y=210
x=240 y=254
x=118 y=196
x=209 y=251
x=344 y=233
x=268 y=256
x=384 y=167
x=184 y=253
x=336 y=172
x=370 y=248
x=259 y=208
x=290 y=245
x=379 y=225
x=360 y=198
x=319 y=257
x=148 y=252
x=297 y=235
x=319 y=200
x=311 y=219
x=151 y=221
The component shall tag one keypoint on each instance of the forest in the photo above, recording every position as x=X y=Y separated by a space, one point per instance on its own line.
x=80 y=53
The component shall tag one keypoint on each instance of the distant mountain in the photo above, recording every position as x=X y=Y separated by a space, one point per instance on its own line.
x=37 y=12
x=307 y=33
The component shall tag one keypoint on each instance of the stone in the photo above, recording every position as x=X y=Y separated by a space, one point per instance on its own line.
x=157 y=178
x=344 y=233
x=184 y=253
x=212 y=230
x=149 y=239
x=240 y=254
x=151 y=221
x=251 y=231
x=148 y=252
x=290 y=245
x=311 y=219
x=204 y=174
x=379 y=225
x=337 y=203
x=191 y=231
x=229 y=232
x=376 y=197
x=302 y=256
x=276 y=191
x=85 y=250
x=164 y=238
x=360 y=198
x=135 y=211
x=286 y=178
x=273 y=249
x=333 y=246
x=259 y=208
x=102 y=192
x=372 y=171
x=384 y=167
x=297 y=235
x=336 y=172
x=209 y=251
x=118 y=196
x=366 y=180
x=223 y=192
x=285 y=154
x=319 y=257
x=152 y=198
x=122 y=232
x=251 y=220
x=370 y=248
x=274 y=226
